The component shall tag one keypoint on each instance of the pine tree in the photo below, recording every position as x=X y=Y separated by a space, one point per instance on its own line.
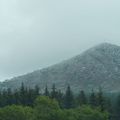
x=16 y=97
x=93 y=99
x=1 y=98
x=22 y=94
x=60 y=98
x=53 y=92
x=9 y=97
x=69 y=98
x=109 y=108
x=46 y=93
x=37 y=90
x=117 y=108
x=101 y=100
x=30 y=97
x=82 y=99
x=4 y=98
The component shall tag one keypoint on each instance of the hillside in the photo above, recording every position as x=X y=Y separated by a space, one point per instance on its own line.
x=94 y=68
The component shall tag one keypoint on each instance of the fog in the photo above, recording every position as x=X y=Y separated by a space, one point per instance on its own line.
x=37 y=33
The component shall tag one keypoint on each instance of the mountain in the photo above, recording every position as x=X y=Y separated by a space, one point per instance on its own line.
x=97 y=67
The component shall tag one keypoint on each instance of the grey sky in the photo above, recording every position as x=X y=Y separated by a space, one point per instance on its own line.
x=38 y=33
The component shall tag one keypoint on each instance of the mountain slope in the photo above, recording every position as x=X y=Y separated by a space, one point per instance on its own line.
x=98 y=66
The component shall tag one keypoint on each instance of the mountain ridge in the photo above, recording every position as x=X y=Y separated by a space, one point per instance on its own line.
x=93 y=68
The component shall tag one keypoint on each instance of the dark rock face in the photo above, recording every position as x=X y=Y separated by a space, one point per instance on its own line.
x=96 y=67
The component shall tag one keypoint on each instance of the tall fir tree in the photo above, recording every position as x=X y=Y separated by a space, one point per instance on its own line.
x=1 y=98
x=101 y=100
x=37 y=90
x=16 y=96
x=109 y=108
x=60 y=98
x=4 y=98
x=46 y=92
x=82 y=99
x=93 y=99
x=30 y=97
x=69 y=98
x=9 y=96
x=23 y=94
x=53 y=92
x=117 y=108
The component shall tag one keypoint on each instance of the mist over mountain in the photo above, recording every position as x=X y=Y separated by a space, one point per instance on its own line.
x=94 y=68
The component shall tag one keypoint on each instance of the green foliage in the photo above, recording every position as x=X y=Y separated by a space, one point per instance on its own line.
x=85 y=113
x=45 y=102
x=48 y=109
x=16 y=113
x=55 y=105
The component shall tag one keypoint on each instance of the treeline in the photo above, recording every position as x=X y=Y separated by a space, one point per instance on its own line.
x=68 y=100
x=45 y=108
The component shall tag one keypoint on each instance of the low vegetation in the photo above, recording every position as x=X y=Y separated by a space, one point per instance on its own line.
x=49 y=109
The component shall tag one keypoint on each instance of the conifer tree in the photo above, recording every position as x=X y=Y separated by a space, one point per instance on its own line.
x=1 y=98
x=30 y=97
x=93 y=99
x=4 y=98
x=69 y=98
x=22 y=94
x=60 y=98
x=16 y=97
x=9 y=97
x=82 y=99
x=101 y=100
x=54 y=92
x=37 y=90
x=117 y=108
x=46 y=93
x=109 y=108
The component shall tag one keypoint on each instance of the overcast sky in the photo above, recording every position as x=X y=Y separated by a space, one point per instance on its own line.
x=38 y=33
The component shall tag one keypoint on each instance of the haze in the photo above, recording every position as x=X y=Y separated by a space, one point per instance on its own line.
x=38 y=33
